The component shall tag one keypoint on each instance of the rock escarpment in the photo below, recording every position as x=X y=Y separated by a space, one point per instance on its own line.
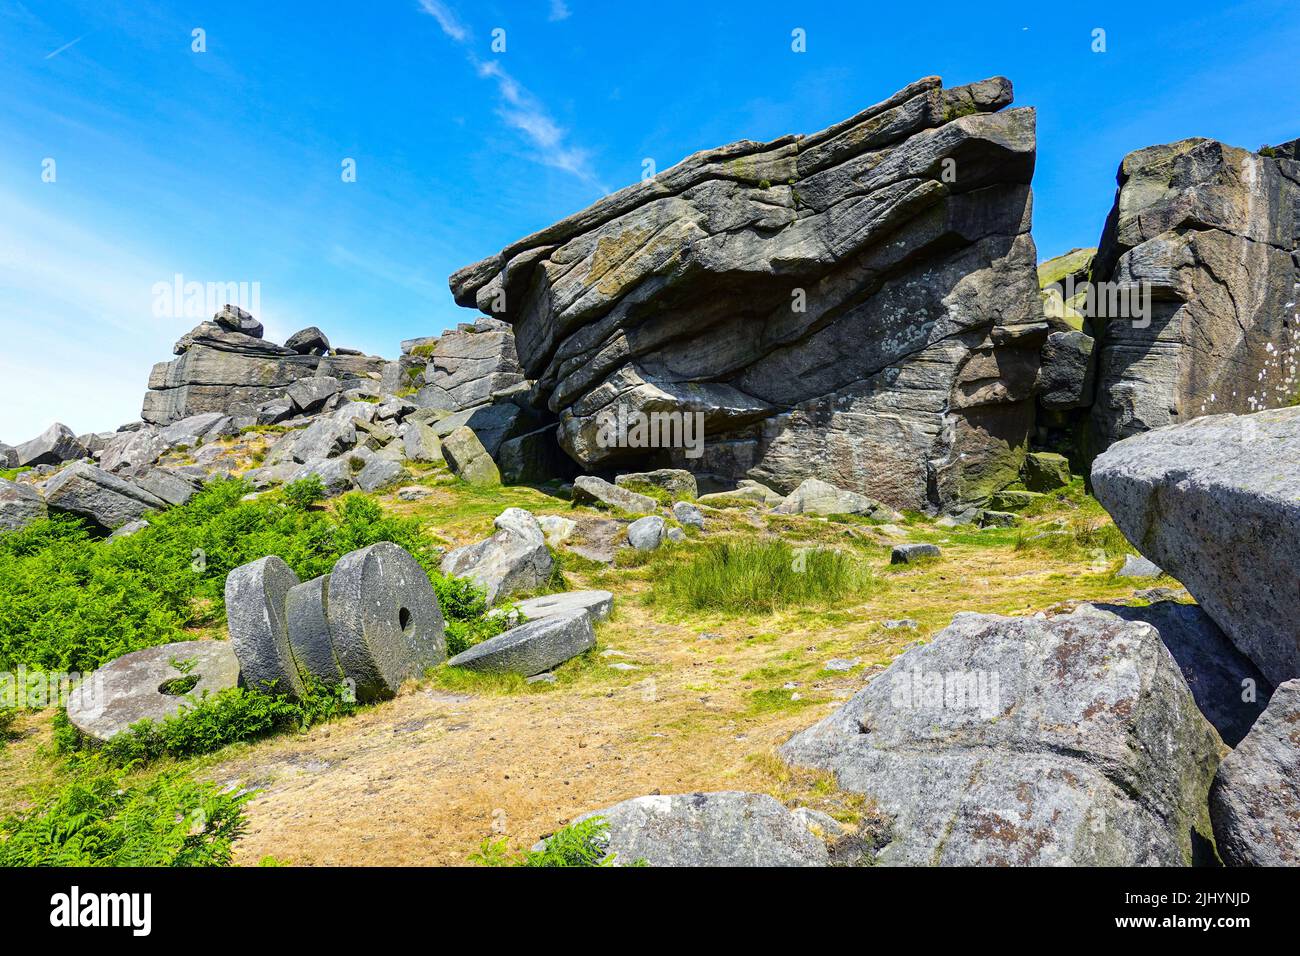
x=1213 y=232
x=858 y=305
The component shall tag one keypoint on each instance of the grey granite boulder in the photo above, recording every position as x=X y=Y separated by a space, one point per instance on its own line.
x=468 y=365
x=309 y=394
x=133 y=452
x=336 y=474
x=825 y=305
x=688 y=514
x=421 y=443
x=646 y=534
x=167 y=485
x=533 y=647
x=1228 y=688
x=912 y=553
x=817 y=497
x=676 y=481
x=468 y=459
x=1216 y=503
x=597 y=604
x=1255 y=801
x=151 y=684
x=1071 y=740
x=1136 y=566
x=308 y=341
x=104 y=500
x=255 y=617
x=514 y=559
x=384 y=620
x=1067 y=371
x=20 y=505
x=588 y=489
x=709 y=829
x=53 y=446
x=380 y=473
x=1209 y=232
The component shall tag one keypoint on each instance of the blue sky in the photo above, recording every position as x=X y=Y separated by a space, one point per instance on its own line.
x=226 y=165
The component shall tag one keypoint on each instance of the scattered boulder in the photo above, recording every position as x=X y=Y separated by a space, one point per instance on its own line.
x=167 y=485
x=469 y=364
x=913 y=553
x=468 y=459
x=588 y=489
x=1216 y=503
x=745 y=490
x=1070 y=740
x=308 y=341
x=557 y=529
x=675 y=535
x=53 y=446
x=20 y=505
x=104 y=500
x=597 y=604
x=310 y=394
x=688 y=514
x=646 y=534
x=709 y=829
x=1013 y=500
x=335 y=474
x=533 y=647
x=147 y=685
x=678 y=482
x=996 y=519
x=1045 y=471
x=235 y=319
x=421 y=443
x=817 y=497
x=379 y=473
x=1255 y=800
x=128 y=529
x=1136 y=566
x=1066 y=371
x=8 y=456
x=514 y=559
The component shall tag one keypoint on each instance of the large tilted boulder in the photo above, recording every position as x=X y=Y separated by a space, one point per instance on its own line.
x=1216 y=503
x=53 y=446
x=514 y=559
x=1255 y=801
x=20 y=505
x=814 y=496
x=533 y=647
x=1212 y=231
x=859 y=304
x=226 y=366
x=468 y=459
x=709 y=829
x=105 y=501
x=1018 y=741
x=469 y=364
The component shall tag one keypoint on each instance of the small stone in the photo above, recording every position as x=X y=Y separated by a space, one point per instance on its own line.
x=1136 y=566
x=842 y=663
x=414 y=493
x=675 y=535
x=997 y=519
x=646 y=534
x=676 y=481
x=905 y=622
x=688 y=514
x=1045 y=471
x=557 y=529
x=913 y=553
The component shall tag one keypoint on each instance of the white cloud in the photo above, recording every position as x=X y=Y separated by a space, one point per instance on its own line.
x=446 y=19
x=559 y=10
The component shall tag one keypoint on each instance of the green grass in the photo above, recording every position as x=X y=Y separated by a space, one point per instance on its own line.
x=579 y=844
x=738 y=577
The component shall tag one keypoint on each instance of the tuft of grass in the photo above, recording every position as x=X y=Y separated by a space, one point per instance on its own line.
x=738 y=577
x=585 y=843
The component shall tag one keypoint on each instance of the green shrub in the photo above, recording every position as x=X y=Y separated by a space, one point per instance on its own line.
x=71 y=602
x=464 y=608
x=212 y=722
x=760 y=576
x=579 y=844
x=304 y=492
x=7 y=717
x=99 y=819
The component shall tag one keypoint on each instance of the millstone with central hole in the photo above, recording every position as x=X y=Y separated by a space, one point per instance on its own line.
x=306 y=614
x=384 y=619
x=149 y=684
x=255 y=602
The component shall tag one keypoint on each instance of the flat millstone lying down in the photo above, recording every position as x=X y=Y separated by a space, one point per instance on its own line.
x=255 y=603
x=533 y=647
x=384 y=619
x=135 y=686
x=598 y=604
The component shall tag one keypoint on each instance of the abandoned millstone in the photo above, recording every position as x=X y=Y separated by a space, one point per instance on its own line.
x=105 y=500
x=598 y=604
x=468 y=459
x=817 y=497
x=255 y=617
x=53 y=446
x=646 y=534
x=384 y=619
x=1216 y=503
x=20 y=505
x=514 y=559
x=688 y=514
x=1070 y=740
x=532 y=647
x=1255 y=800
x=1228 y=688
x=709 y=829
x=306 y=614
x=151 y=684
x=588 y=489
x=676 y=481
x=1136 y=566
x=912 y=553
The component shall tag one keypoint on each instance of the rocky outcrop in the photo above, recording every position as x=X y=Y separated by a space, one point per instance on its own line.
x=222 y=369
x=1019 y=741
x=1215 y=502
x=20 y=505
x=53 y=446
x=106 y=501
x=858 y=305
x=1255 y=801
x=1213 y=232
x=469 y=364
x=514 y=559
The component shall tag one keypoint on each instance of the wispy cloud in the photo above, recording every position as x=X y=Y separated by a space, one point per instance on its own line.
x=559 y=10
x=67 y=46
x=520 y=109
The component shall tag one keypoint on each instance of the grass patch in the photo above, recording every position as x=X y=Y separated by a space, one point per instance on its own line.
x=585 y=843
x=739 y=577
